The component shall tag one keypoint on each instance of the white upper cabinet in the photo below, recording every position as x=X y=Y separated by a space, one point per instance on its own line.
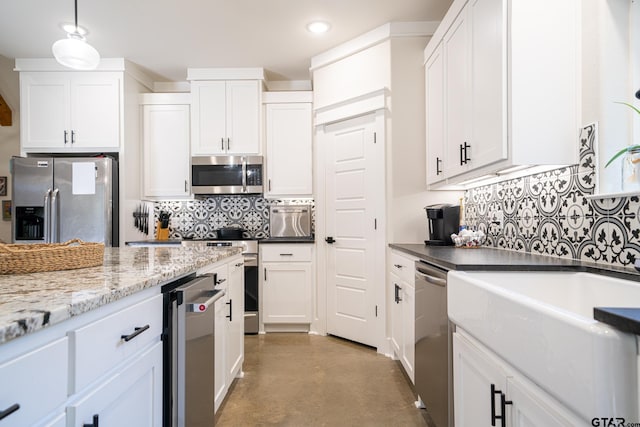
x=225 y=117
x=289 y=149
x=434 y=84
x=509 y=91
x=166 y=158
x=70 y=111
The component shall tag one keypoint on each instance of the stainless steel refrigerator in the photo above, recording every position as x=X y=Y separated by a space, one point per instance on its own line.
x=57 y=199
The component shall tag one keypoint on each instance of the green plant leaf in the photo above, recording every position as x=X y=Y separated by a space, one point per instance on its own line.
x=629 y=105
x=620 y=153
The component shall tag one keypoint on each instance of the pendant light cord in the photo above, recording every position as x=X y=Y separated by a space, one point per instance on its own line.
x=76 y=15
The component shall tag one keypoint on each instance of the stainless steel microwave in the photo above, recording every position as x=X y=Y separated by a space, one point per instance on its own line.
x=226 y=175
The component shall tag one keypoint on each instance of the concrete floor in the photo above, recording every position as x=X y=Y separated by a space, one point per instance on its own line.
x=307 y=380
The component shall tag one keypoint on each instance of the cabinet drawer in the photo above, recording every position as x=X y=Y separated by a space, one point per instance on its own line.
x=37 y=381
x=403 y=267
x=97 y=348
x=286 y=252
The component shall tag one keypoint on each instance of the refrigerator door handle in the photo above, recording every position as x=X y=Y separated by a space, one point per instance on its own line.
x=47 y=217
x=55 y=232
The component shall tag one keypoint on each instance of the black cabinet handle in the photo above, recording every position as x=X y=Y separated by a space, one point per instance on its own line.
x=465 y=158
x=73 y=136
x=438 y=162
x=397 y=265
x=286 y=254
x=503 y=407
x=222 y=144
x=220 y=281
x=65 y=137
x=137 y=331
x=397 y=293
x=10 y=410
x=230 y=316
x=330 y=240
x=94 y=423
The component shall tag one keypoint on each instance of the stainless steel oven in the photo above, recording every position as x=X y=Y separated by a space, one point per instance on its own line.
x=226 y=175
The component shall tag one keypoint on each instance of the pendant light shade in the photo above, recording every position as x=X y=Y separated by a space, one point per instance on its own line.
x=74 y=51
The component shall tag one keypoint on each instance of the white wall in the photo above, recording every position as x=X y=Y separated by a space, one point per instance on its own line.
x=607 y=69
x=9 y=135
x=406 y=152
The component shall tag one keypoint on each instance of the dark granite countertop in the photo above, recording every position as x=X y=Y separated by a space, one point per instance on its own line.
x=623 y=318
x=154 y=242
x=483 y=258
x=491 y=259
x=288 y=240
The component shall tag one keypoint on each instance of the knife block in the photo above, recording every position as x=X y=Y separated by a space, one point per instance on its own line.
x=162 y=233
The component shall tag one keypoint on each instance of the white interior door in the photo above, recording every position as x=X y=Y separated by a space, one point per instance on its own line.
x=351 y=189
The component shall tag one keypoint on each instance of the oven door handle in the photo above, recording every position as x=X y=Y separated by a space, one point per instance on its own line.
x=431 y=279
x=201 y=307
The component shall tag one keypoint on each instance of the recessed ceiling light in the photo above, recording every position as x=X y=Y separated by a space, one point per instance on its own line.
x=318 y=27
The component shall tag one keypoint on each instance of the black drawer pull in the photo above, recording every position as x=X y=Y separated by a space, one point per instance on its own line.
x=220 y=281
x=286 y=254
x=94 y=423
x=230 y=316
x=10 y=410
x=137 y=331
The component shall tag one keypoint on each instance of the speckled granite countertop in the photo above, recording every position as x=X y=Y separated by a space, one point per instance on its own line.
x=29 y=302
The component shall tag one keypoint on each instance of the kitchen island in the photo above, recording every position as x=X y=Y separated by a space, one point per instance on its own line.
x=87 y=344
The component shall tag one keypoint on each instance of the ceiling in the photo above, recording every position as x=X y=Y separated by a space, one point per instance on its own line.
x=168 y=36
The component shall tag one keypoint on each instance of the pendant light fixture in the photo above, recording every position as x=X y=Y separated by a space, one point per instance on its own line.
x=74 y=51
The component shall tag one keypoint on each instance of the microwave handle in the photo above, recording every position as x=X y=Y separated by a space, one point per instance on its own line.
x=244 y=174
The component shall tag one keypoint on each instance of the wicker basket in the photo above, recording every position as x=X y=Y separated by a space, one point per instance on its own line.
x=39 y=257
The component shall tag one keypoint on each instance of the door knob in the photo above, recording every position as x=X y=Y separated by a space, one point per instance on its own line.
x=330 y=240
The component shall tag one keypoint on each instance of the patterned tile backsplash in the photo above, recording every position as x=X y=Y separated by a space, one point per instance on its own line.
x=549 y=213
x=201 y=217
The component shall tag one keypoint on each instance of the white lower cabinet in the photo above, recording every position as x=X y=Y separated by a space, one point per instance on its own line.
x=287 y=283
x=104 y=365
x=34 y=384
x=489 y=392
x=402 y=297
x=229 y=328
x=131 y=396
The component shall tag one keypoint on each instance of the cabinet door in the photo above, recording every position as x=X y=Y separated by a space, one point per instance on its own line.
x=243 y=117
x=473 y=374
x=36 y=382
x=134 y=394
x=235 y=338
x=435 y=89
x=488 y=82
x=166 y=150
x=289 y=150
x=220 y=351
x=408 y=328
x=286 y=293
x=208 y=117
x=533 y=407
x=457 y=84
x=45 y=100
x=95 y=110
x=396 y=315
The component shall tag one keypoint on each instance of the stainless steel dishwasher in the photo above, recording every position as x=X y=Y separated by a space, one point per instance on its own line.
x=433 y=348
x=190 y=350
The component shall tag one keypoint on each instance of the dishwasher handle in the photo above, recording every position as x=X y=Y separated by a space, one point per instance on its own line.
x=431 y=279
x=201 y=307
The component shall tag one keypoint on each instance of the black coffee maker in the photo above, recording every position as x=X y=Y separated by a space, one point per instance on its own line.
x=444 y=220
